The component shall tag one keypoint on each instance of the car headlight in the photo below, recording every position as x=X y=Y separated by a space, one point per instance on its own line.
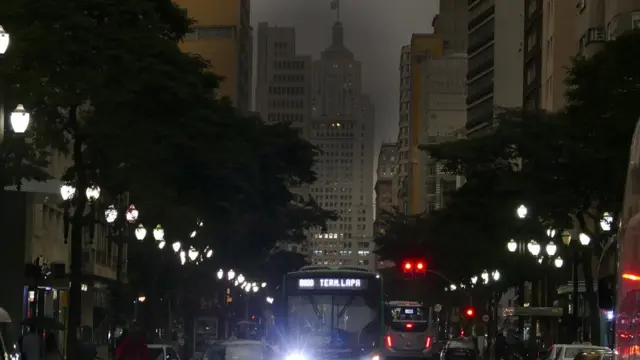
x=296 y=356
x=375 y=357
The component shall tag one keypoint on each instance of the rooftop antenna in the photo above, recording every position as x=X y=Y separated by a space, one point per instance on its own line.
x=335 y=5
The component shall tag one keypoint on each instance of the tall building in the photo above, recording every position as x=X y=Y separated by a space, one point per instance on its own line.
x=422 y=47
x=342 y=127
x=619 y=16
x=451 y=24
x=384 y=178
x=532 y=54
x=559 y=44
x=495 y=63
x=222 y=36
x=444 y=79
x=401 y=173
x=283 y=87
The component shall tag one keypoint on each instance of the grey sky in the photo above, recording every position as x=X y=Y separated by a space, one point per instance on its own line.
x=375 y=30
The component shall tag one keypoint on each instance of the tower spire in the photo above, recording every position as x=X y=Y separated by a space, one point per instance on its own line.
x=335 y=5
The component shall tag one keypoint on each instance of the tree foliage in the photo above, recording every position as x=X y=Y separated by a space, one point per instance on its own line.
x=107 y=84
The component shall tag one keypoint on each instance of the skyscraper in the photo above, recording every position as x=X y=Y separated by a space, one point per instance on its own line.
x=342 y=127
x=283 y=88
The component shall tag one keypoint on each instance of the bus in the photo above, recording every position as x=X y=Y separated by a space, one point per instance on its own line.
x=332 y=313
x=627 y=314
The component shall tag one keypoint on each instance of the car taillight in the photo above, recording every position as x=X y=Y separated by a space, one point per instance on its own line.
x=408 y=325
x=389 y=341
x=427 y=342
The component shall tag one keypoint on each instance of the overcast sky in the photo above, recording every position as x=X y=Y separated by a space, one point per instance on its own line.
x=375 y=30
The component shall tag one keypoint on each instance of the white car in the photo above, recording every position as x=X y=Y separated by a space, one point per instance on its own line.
x=569 y=351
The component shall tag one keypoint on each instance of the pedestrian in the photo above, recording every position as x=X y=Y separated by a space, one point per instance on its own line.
x=31 y=345
x=134 y=347
x=51 y=350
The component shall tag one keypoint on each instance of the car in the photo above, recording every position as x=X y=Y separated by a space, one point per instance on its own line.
x=407 y=331
x=459 y=349
x=239 y=350
x=570 y=351
x=162 y=352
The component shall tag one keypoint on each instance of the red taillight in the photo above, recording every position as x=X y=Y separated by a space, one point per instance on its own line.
x=427 y=342
x=389 y=341
x=408 y=325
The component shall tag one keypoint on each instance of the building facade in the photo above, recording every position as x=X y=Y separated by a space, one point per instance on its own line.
x=451 y=24
x=559 y=44
x=342 y=127
x=532 y=54
x=444 y=81
x=401 y=173
x=495 y=63
x=283 y=87
x=385 y=173
x=423 y=47
x=222 y=36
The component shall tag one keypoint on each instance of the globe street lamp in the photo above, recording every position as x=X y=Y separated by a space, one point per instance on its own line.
x=558 y=262
x=220 y=274
x=263 y=285
x=485 y=276
x=193 y=253
x=161 y=244
x=605 y=222
x=158 y=233
x=551 y=249
x=533 y=247
x=522 y=211
x=92 y=192
x=231 y=274
x=183 y=257
x=140 y=232
x=67 y=191
x=20 y=119
x=111 y=214
x=132 y=214
x=5 y=40
x=176 y=246
x=208 y=253
x=495 y=275
x=584 y=239
x=512 y=245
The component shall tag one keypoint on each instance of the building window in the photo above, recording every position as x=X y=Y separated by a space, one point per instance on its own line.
x=215 y=32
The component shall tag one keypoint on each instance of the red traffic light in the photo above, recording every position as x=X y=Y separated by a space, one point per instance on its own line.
x=470 y=312
x=408 y=266
x=420 y=266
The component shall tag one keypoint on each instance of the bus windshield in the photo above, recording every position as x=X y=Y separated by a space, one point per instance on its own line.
x=408 y=313
x=333 y=321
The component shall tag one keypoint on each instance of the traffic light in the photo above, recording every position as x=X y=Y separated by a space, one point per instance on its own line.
x=408 y=270
x=470 y=312
x=421 y=269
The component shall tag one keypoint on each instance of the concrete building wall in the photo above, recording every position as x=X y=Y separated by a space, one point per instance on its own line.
x=558 y=46
x=222 y=36
x=444 y=79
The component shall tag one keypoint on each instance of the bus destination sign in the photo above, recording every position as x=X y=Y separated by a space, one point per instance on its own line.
x=332 y=284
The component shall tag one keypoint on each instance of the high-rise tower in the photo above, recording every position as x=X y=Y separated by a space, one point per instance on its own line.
x=342 y=126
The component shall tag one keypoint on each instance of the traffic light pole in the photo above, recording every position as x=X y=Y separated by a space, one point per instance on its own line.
x=451 y=282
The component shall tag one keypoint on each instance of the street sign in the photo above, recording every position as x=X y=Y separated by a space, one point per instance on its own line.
x=437 y=308
x=485 y=318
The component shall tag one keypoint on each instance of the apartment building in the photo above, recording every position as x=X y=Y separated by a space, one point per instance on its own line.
x=410 y=182
x=559 y=44
x=401 y=173
x=385 y=173
x=532 y=54
x=444 y=79
x=451 y=24
x=222 y=36
x=284 y=78
x=495 y=63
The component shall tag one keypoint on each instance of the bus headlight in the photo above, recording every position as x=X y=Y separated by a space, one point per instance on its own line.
x=375 y=357
x=296 y=356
